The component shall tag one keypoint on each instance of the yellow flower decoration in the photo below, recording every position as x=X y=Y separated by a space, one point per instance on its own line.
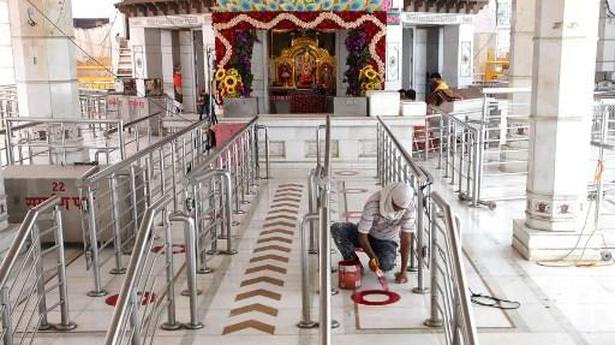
x=220 y=74
x=370 y=79
x=230 y=81
x=371 y=74
x=233 y=72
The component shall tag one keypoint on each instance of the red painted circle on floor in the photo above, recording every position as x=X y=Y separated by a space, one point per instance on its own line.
x=361 y=297
x=146 y=298
x=177 y=249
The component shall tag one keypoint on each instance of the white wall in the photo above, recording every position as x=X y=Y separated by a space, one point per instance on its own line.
x=93 y=8
x=454 y=37
x=7 y=70
x=186 y=51
x=166 y=45
x=394 y=52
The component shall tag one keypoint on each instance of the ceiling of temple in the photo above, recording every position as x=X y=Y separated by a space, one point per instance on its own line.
x=145 y=8
x=445 y=6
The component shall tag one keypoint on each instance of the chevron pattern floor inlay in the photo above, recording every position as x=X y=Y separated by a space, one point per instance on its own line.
x=271 y=256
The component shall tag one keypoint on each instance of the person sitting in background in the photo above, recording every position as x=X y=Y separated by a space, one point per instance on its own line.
x=387 y=219
x=441 y=92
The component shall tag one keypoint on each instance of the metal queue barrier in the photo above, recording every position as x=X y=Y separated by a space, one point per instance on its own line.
x=602 y=188
x=450 y=305
x=93 y=104
x=214 y=185
x=326 y=321
x=60 y=141
x=117 y=196
x=173 y=166
x=221 y=185
x=8 y=102
x=483 y=152
x=149 y=287
x=33 y=281
x=438 y=242
x=395 y=164
x=320 y=190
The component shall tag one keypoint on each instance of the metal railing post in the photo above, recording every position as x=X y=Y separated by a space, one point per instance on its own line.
x=476 y=170
x=65 y=322
x=435 y=320
x=133 y=192
x=191 y=263
x=7 y=314
x=226 y=176
x=267 y=153
x=98 y=290
x=117 y=237
x=134 y=319
x=306 y=294
x=171 y=323
x=122 y=142
x=420 y=280
x=173 y=173
x=312 y=203
x=40 y=280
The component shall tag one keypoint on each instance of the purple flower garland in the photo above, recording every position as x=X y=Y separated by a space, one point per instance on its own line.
x=242 y=61
x=358 y=57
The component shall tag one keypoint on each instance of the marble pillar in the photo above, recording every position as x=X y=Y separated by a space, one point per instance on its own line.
x=521 y=53
x=7 y=69
x=561 y=109
x=45 y=65
x=605 y=59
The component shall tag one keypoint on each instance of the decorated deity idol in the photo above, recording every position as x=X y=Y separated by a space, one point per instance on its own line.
x=306 y=70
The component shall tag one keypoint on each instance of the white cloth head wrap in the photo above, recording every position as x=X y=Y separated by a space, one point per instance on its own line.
x=397 y=193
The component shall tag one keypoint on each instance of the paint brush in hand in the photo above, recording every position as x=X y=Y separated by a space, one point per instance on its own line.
x=383 y=280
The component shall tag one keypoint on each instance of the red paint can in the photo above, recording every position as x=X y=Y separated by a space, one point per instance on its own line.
x=349 y=274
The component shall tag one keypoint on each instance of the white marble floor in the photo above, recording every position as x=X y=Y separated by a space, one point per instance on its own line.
x=558 y=305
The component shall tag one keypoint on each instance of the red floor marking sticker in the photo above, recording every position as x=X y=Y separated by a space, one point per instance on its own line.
x=146 y=298
x=177 y=249
x=360 y=297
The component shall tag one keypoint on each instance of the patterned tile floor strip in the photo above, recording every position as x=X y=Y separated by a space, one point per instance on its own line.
x=272 y=254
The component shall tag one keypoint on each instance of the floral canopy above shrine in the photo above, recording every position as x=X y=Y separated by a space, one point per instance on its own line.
x=300 y=5
x=227 y=24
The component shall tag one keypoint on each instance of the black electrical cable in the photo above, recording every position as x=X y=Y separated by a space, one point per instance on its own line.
x=493 y=302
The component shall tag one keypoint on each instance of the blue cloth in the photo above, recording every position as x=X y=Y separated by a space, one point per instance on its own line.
x=346 y=237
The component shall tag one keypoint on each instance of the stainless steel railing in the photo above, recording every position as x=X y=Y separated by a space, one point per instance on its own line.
x=9 y=107
x=93 y=104
x=326 y=321
x=62 y=141
x=221 y=185
x=450 y=305
x=118 y=195
x=33 y=282
x=483 y=152
x=319 y=182
x=149 y=287
x=602 y=187
x=395 y=164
